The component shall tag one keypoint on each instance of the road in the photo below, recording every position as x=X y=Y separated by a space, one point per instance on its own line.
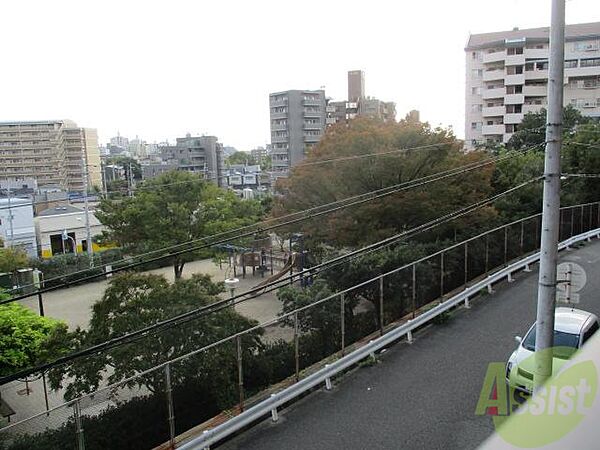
x=421 y=395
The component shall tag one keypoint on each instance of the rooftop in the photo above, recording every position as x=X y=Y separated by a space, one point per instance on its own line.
x=572 y=32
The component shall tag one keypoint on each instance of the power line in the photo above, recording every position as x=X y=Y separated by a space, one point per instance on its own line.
x=368 y=155
x=378 y=194
x=227 y=303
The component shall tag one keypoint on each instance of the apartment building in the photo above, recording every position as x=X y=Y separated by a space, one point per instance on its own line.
x=507 y=77
x=203 y=154
x=16 y=225
x=297 y=124
x=52 y=152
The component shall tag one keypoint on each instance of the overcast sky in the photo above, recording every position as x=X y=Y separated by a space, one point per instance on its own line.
x=160 y=69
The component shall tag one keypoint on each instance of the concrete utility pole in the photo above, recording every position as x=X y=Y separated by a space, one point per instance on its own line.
x=88 y=234
x=544 y=332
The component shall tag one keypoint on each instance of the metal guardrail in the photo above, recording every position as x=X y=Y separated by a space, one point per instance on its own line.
x=270 y=405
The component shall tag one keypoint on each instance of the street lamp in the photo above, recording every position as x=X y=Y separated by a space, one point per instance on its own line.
x=65 y=236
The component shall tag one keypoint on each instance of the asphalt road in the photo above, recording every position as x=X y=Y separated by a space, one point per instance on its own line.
x=421 y=395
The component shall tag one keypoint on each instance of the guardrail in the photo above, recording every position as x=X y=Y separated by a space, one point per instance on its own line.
x=324 y=375
x=169 y=409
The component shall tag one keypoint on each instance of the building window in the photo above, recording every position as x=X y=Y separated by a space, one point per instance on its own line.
x=591 y=62
x=586 y=46
x=477 y=107
x=476 y=90
x=570 y=64
x=475 y=56
x=477 y=73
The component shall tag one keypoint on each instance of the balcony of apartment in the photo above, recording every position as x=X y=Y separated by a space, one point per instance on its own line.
x=493 y=93
x=536 y=53
x=313 y=126
x=582 y=71
x=330 y=109
x=514 y=60
x=515 y=79
x=497 y=129
x=535 y=91
x=311 y=102
x=278 y=115
x=514 y=99
x=492 y=75
x=513 y=118
x=312 y=113
x=533 y=108
x=282 y=139
x=493 y=111
x=494 y=57
x=279 y=126
x=278 y=102
x=536 y=74
x=311 y=137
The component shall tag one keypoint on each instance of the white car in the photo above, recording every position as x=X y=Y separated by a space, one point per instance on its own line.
x=572 y=328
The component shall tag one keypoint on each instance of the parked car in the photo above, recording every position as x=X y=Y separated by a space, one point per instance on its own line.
x=572 y=328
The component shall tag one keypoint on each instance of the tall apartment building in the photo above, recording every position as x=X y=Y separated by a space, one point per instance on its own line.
x=297 y=124
x=356 y=85
x=201 y=154
x=507 y=77
x=52 y=152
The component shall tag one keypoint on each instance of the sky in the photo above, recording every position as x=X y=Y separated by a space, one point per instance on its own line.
x=161 y=69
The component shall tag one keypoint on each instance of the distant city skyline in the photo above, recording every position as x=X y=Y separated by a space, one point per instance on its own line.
x=169 y=72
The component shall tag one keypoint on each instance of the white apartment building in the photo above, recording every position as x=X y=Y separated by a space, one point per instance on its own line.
x=16 y=224
x=507 y=77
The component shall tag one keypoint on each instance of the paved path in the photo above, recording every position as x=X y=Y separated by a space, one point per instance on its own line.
x=73 y=305
x=420 y=396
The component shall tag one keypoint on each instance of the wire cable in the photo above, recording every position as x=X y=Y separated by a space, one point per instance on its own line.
x=231 y=302
x=378 y=194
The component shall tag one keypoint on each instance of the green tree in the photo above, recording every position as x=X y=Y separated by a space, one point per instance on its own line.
x=513 y=171
x=532 y=129
x=134 y=301
x=241 y=158
x=12 y=258
x=27 y=339
x=171 y=209
x=127 y=162
x=310 y=185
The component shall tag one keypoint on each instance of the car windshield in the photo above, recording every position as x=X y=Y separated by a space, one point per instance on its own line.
x=565 y=343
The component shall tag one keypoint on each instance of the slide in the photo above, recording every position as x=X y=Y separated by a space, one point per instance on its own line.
x=276 y=276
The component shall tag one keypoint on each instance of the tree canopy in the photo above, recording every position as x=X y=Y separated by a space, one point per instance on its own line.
x=245 y=158
x=171 y=209
x=27 y=339
x=314 y=183
x=11 y=259
x=134 y=301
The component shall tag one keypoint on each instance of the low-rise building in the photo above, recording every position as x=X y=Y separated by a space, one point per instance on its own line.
x=54 y=224
x=16 y=224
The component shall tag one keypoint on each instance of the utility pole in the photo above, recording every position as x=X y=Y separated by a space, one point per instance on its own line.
x=544 y=331
x=10 y=218
x=88 y=234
